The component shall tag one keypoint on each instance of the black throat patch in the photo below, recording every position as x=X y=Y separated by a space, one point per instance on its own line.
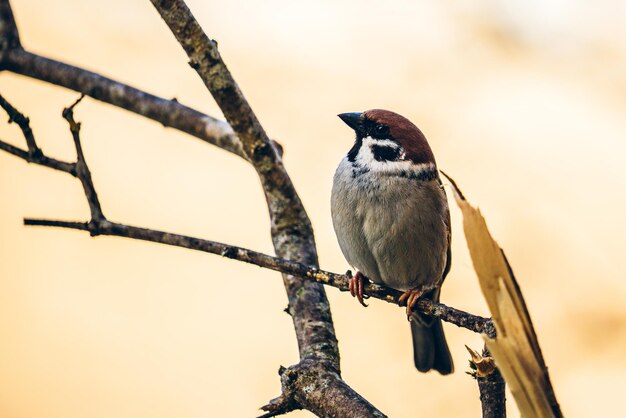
x=355 y=149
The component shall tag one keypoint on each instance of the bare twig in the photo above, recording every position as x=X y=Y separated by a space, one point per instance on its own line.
x=454 y=316
x=24 y=123
x=33 y=154
x=82 y=170
x=78 y=169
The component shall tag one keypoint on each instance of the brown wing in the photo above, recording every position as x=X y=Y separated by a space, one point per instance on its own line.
x=446 y=270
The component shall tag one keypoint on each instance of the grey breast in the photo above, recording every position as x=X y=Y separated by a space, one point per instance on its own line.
x=391 y=228
x=348 y=210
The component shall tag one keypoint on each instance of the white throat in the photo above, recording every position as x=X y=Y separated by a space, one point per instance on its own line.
x=366 y=160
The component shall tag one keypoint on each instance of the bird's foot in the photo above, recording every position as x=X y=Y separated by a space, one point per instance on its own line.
x=410 y=298
x=356 y=287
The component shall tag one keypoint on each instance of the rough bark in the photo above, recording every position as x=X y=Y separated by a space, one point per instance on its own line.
x=292 y=233
x=492 y=392
x=327 y=395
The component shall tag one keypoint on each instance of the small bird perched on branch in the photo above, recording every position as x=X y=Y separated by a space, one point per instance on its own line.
x=391 y=217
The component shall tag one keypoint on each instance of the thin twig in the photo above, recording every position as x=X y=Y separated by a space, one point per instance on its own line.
x=82 y=169
x=454 y=316
x=24 y=123
x=33 y=154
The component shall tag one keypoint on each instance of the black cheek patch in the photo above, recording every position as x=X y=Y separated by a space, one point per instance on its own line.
x=385 y=153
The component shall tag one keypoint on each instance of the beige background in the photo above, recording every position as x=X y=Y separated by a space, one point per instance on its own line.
x=523 y=104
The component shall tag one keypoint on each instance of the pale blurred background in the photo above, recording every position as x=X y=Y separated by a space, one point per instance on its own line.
x=523 y=103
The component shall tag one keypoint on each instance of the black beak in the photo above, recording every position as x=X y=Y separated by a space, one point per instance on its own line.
x=353 y=120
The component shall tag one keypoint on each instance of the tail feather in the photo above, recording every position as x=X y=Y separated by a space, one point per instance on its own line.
x=430 y=349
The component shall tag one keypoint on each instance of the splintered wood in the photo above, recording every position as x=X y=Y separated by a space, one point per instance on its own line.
x=516 y=348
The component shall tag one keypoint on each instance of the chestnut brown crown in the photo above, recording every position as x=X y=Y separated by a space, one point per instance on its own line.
x=387 y=125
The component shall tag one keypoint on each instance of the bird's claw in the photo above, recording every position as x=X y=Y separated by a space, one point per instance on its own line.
x=410 y=298
x=356 y=285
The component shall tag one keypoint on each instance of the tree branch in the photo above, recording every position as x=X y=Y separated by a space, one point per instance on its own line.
x=326 y=392
x=492 y=393
x=170 y=113
x=454 y=316
x=292 y=233
x=9 y=36
x=491 y=384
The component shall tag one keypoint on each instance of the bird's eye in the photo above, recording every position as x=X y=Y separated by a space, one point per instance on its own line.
x=380 y=129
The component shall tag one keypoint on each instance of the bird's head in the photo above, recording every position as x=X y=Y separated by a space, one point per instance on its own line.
x=388 y=142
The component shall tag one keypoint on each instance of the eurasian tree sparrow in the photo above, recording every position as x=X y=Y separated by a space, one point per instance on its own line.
x=391 y=217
